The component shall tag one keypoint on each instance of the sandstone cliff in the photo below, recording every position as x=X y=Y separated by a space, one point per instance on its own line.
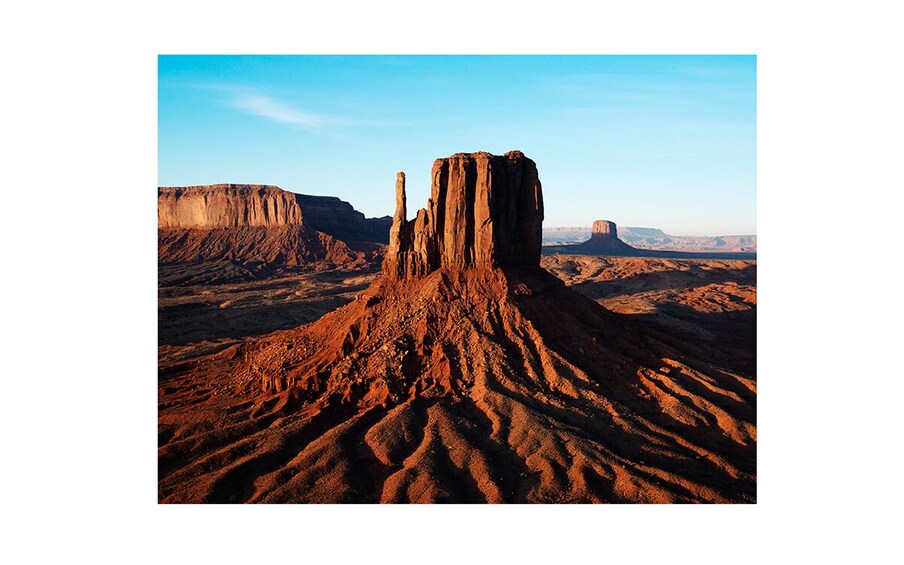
x=226 y=206
x=339 y=219
x=264 y=228
x=484 y=211
x=248 y=205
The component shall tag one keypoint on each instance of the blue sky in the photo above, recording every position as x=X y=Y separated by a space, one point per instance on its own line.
x=666 y=142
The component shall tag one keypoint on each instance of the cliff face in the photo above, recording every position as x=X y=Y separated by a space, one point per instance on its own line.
x=265 y=227
x=484 y=211
x=339 y=219
x=226 y=206
x=246 y=205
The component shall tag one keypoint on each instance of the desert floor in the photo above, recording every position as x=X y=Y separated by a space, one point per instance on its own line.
x=683 y=432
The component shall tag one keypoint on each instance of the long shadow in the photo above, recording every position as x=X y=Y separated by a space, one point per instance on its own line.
x=200 y=315
x=652 y=282
x=577 y=249
x=227 y=271
x=735 y=330
x=219 y=271
x=563 y=316
x=193 y=322
x=674 y=279
x=728 y=338
x=333 y=275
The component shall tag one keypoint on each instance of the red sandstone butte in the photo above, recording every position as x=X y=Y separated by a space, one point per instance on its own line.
x=484 y=211
x=466 y=373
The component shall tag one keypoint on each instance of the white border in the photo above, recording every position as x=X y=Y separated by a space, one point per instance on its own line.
x=79 y=108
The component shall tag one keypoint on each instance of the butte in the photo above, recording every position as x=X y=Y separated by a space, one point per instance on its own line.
x=466 y=373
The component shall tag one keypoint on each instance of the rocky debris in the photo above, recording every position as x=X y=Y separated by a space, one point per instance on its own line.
x=484 y=211
x=266 y=250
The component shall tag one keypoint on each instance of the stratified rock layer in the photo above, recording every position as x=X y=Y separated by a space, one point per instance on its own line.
x=484 y=211
x=263 y=228
x=226 y=206
x=253 y=205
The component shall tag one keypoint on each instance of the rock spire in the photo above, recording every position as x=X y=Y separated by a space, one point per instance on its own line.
x=484 y=211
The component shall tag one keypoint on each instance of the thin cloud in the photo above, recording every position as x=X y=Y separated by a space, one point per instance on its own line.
x=266 y=107
x=250 y=100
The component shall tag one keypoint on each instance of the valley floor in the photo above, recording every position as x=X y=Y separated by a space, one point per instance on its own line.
x=685 y=431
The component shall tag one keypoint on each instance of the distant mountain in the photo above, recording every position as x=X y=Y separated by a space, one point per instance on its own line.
x=634 y=232
x=565 y=235
x=655 y=238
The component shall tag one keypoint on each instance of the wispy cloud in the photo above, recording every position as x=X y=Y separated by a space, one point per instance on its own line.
x=264 y=106
x=254 y=101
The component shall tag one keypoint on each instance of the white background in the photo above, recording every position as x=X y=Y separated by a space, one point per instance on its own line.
x=79 y=463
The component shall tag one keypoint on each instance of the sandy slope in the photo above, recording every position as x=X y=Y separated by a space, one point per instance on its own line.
x=511 y=388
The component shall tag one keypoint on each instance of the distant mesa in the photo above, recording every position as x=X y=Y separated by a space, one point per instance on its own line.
x=264 y=227
x=645 y=241
x=248 y=205
x=226 y=206
x=637 y=233
x=604 y=239
x=604 y=229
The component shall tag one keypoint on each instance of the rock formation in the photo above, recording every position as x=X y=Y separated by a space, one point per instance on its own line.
x=484 y=211
x=604 y=229
x=646 y=242
x=248 y=205
x=264 y=227
x=604 y=240
x=654 y=238
x=466 y=373
x=338 y=218
x=226 y=206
